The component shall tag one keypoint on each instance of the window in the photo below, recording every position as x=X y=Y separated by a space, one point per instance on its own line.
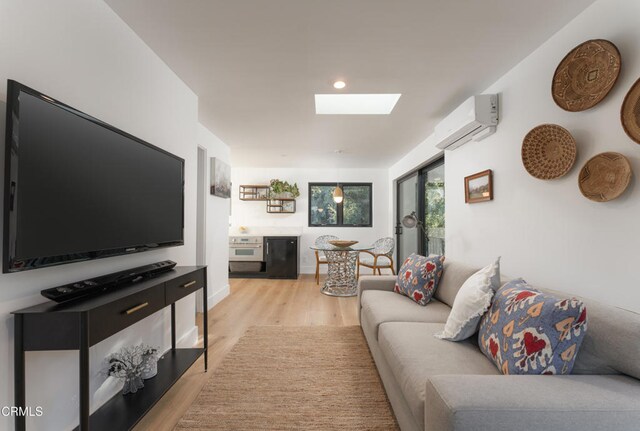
x=354 y=211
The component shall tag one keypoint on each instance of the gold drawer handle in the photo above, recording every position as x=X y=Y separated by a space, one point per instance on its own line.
x=189 y=284
x=136 y=308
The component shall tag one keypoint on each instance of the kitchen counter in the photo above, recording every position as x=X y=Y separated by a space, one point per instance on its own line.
x=267 y=231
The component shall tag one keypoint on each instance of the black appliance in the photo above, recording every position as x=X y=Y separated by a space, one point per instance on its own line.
x=77 y=188
x=282 y=256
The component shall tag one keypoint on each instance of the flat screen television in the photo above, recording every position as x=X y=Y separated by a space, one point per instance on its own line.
x=77 y=188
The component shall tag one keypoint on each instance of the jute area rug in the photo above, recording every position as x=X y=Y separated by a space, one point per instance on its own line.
x=294 y=378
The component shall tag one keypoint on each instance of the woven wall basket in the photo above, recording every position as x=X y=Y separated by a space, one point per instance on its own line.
x=605 y=177
x=586 y=75
x=630 y=113
x=548 y=151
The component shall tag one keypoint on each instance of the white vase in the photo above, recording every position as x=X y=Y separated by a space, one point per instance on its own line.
x=150 y=366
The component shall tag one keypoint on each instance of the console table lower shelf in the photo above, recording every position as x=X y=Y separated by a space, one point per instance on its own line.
x=82 y=324
x=123 y=412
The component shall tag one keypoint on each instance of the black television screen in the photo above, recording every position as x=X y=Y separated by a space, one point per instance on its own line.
x=77 y=188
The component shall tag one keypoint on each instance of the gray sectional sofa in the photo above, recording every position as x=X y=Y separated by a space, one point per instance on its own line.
x=438 y=385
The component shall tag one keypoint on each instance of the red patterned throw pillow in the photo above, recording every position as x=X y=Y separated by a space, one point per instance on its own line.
x=419 y=276
x=530 y=332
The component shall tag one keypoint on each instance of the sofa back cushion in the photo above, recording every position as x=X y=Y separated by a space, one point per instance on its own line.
x=612 y=343
x=418 y=277
x=531 y=332
x=453 y=277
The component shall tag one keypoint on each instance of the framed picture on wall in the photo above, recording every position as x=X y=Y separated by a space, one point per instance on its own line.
x=220 y=178
x=478 y=187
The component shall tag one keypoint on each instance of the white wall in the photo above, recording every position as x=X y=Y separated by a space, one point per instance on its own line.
x=82 y=53
x=246 y=213
x=546 y=231
x=217 y=222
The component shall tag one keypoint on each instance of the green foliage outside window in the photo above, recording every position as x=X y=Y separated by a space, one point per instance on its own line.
x=357 y=205
x=434 y=199
x=323 y=209
x=355 y=210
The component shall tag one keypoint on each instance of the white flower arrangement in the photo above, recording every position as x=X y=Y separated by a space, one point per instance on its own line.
x=132 y=364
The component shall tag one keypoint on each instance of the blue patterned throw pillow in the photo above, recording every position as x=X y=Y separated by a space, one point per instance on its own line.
x=418 y=277
x=530 y=332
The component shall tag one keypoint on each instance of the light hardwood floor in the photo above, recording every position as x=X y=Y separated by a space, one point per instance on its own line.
x=252 y=302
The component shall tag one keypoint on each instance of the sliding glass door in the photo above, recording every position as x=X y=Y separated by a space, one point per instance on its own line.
x=421 y=193
x=407 y=239
x=433 y=214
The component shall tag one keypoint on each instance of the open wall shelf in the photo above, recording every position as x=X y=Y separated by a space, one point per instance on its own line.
x=281 y=206
x=254 y=192
x=259 y=192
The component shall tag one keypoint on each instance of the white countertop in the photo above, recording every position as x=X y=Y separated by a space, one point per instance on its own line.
x=267 y=231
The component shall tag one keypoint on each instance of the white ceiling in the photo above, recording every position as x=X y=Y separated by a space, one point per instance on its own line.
x=256 y=65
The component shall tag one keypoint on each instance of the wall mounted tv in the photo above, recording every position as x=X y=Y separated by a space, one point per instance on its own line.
x=77 y=188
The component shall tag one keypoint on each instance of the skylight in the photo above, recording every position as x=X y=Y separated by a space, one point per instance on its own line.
x=356 y=104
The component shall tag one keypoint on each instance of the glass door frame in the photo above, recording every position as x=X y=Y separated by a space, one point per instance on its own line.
x=399 y=229
x=421 y=207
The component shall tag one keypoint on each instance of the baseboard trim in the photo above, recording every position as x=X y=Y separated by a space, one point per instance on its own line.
x=312 y=269
x=188 y=339
x=218 y=296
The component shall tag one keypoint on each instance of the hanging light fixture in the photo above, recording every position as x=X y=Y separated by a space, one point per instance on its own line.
x=338 y=196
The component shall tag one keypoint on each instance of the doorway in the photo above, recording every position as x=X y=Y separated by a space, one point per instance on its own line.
x=201 y=216
x=421 y=192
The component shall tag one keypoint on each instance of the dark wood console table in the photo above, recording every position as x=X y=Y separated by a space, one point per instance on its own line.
x=79 y=325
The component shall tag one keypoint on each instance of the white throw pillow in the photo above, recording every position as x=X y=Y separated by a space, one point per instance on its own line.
x=472 y=301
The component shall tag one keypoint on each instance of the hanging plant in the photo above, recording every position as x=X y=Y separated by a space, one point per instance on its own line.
x=280 y=188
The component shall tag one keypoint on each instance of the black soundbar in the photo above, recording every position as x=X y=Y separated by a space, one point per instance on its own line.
x=94 y=286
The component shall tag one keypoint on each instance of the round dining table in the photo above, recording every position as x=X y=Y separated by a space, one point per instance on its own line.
x=341 y=279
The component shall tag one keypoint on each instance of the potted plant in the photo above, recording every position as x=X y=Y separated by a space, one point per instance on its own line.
x=132 y=365
x=127 y=365
x=282 y=189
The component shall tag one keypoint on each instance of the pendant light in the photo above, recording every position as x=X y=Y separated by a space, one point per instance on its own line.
x=338 y=196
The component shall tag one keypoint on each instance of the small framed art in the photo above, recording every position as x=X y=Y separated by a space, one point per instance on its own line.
x=478 y=187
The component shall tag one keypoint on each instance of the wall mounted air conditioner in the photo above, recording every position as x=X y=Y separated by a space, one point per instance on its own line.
x=475 y=119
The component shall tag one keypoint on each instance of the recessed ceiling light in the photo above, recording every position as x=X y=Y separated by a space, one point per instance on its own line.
x=339 y=85
x=355 y=104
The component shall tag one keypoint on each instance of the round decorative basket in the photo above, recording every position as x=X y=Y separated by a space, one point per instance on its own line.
x=586 y=75
x=548 y=151
x=630 y=113
x=341 y=243
x=605 y=177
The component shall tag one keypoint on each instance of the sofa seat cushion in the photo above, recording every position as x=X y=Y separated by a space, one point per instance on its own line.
x=380 y=306
x=414 y=355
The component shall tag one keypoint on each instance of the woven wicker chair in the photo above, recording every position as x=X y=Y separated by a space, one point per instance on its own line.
x=380 y=257
x=321 y=259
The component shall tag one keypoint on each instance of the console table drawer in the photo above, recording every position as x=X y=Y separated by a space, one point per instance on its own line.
x=114 y=317
x=183 y=286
